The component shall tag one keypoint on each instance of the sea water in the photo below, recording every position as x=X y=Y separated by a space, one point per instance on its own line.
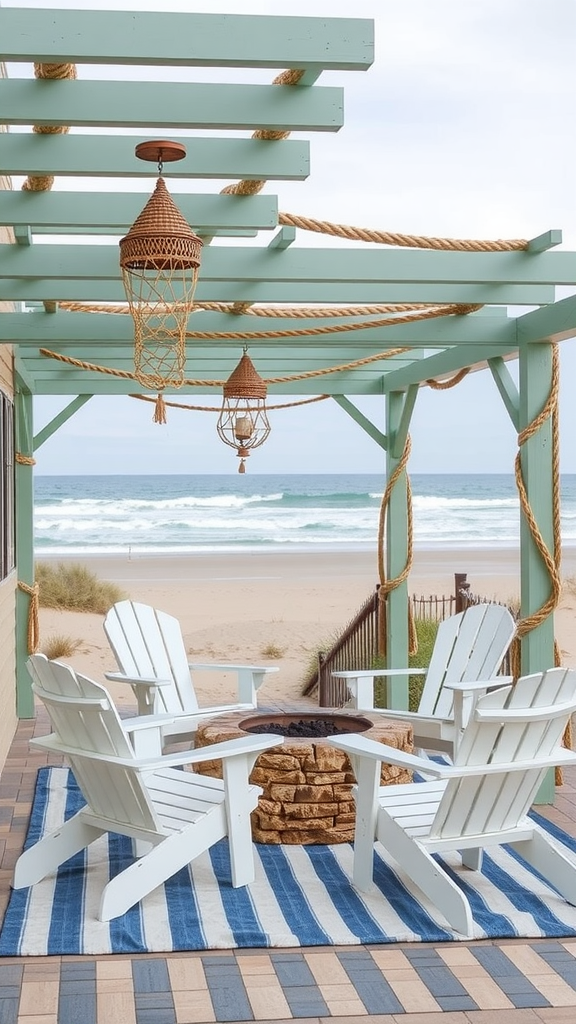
x=328 y=512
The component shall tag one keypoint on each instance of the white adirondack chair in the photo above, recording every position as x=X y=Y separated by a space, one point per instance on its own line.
x=512 y=739
x=469 y=647
x=178 y=813
x=150 y=651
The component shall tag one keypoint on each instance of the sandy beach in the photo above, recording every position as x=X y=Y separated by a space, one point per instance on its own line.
x=236 y=608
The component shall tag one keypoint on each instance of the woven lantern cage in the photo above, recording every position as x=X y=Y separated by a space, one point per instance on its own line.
x=243 y=421
x=160 y=257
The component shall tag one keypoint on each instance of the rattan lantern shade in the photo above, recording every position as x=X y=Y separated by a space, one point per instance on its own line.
x=243 y=421
x=160 y=237
x=159 y=258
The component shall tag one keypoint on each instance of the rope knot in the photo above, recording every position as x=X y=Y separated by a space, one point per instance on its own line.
x=33 y=636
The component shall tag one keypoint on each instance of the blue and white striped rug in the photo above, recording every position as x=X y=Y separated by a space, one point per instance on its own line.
x=302 y=896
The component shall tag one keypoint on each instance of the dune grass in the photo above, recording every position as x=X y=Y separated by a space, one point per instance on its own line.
x=72 y=587
x=272 y=650
x=60 y=646
x=426 y=630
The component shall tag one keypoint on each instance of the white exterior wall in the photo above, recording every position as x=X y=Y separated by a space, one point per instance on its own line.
x=8 y=719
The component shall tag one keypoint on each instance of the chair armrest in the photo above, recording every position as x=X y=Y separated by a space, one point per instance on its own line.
x=250 y=678
x=140 y=722
x=265 y=669
x=145 y=689
x=475 y=689
x=218 y=709
x=366 y=673
x=146 y=733
x=222 y=751
x=361 y=684
x=479 y=684
x=244 y=745
x=120 y=677
x=359 y=746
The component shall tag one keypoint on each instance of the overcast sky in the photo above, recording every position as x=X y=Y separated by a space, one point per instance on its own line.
x=464 y=126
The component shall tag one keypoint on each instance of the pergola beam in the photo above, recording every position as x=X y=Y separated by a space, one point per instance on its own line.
x=554 y=323
x=85 y=329
x=443 y=364
x=98 y=156
x=96 y=384
x=38 y=289
x=193 y=40
x=301 y=265
x=110 y=212
x=170 y=105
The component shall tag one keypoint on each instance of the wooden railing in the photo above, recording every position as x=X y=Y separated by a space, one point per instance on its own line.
x=357 y=647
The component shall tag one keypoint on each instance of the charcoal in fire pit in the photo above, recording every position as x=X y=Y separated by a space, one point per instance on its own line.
x=317 y=727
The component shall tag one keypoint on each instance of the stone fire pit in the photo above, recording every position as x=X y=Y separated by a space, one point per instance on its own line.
x=307 y=784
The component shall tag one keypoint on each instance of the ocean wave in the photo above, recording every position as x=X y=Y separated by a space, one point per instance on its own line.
x=120 y=506
x=435 y=503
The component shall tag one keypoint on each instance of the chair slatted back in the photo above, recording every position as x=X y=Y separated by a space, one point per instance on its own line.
x=520 y=724
x=149 y=643
x=469 y=646
x=85 y=722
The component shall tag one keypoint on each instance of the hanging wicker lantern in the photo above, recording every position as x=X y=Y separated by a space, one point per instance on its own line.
x=243 y=421
x=160 y=257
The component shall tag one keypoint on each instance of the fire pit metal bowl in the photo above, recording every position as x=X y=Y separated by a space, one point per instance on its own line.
x=306 y=783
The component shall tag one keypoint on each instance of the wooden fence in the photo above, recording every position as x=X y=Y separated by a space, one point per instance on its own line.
x=357 y=647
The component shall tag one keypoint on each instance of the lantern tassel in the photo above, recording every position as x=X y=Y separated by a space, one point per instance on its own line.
x=160 y=409
x=242 y=466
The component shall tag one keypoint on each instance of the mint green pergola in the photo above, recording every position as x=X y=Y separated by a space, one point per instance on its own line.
x=269 y=269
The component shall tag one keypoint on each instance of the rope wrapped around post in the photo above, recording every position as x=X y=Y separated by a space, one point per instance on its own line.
x=33 y=635
x=551 y=559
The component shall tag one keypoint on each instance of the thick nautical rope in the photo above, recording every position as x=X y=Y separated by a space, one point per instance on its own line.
x=44 y=182
x=251 y=188
x=430 y=311
x=33 y=632
x=386 y=585
x=551 y=559
x=444 y=385
x=227 y=335
x=24 y=460
x=394 y=238
x=54 y=72
x=248 y=309
x=210 y=383
x=161 y=405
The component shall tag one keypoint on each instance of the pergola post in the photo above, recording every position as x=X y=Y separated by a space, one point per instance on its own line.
x=24 y=489
x=536 y=460
x=398 y=410
x=535 y=366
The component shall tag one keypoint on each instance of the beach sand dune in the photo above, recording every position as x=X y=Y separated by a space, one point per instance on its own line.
x=278 y=609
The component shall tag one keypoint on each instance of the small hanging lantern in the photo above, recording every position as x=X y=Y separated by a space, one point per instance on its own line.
x=243 y=421
x=160 y=257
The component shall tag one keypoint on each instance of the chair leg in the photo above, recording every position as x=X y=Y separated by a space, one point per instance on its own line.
x=472 y=858
x=53 y=850
x=550 y=861
x=427 y=874
x=163 y=861
x=241 y=799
